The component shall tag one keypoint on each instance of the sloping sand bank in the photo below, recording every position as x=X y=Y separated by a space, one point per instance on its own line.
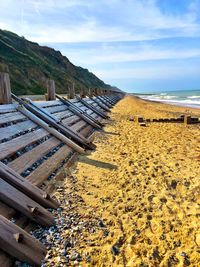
x=136 y=199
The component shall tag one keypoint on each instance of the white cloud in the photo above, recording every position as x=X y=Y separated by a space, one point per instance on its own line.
x=115 y=55
x=89 y=21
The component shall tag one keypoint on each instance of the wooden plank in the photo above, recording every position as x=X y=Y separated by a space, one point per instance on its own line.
x=19 y=201
x=43 y=104
x=6 y=211
x=86 y=131
x=20 y=183
x=94 y=104
x=38 y=176
x=23 y=162
x=89 y=101
x=9 y=148
x=56 y=109
x=78 y=104
x=74 y=100
x=76 y=127
x=10 y=131
x=63 y=114
x=19 y=244
x=7 y=108
x=70 y=120
x=62 y=133
x=11 y=117
x=5 y=260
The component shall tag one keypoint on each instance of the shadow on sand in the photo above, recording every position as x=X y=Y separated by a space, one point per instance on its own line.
x=112 y=133
x=98 y=163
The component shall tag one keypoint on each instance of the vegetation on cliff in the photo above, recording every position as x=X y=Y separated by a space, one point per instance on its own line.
x=30 y=65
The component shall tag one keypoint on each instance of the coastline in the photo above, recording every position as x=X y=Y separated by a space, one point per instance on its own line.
x=186 y=99
x=183 y=109
x=134 y=201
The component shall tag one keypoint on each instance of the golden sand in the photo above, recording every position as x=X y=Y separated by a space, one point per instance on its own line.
x=141 y=186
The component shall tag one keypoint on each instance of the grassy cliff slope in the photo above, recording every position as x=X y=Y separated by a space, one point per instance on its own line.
x=30 y=64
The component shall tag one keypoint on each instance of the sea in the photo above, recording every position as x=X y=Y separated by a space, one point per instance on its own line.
x=188 y=98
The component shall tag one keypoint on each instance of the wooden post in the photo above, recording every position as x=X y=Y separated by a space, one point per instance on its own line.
x=71 y=89
x=100 y=91
x=105 y=92
x=82 y=93
x=90 y=92
x=5 y=90
x=51 y=90
x=187 y=119
x=94 y=91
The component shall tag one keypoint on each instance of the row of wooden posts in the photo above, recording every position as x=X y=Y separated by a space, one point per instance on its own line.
x=5 y=90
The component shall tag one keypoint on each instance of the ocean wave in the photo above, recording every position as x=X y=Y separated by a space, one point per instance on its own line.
x=190 y=102
x=193 y=96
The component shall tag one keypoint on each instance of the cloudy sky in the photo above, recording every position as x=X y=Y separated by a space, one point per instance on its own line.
x=137 y=45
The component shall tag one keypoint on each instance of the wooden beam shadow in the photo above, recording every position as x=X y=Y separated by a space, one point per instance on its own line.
x=111 y=133
x=98 y=163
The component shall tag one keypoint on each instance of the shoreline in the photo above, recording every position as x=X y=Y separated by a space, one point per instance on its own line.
x=185 y=109
x=134 y=201
x=171 y=103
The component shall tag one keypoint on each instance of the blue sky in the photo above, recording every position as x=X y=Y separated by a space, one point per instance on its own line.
x=137 y=45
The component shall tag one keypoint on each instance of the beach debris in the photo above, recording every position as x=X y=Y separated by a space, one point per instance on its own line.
x=191 y=120
x=115 y=250
x=174 y=184
x=186 y=119
x=138 y=119
x=131 y=118
x=143 y=124
x=100 y=223
x=186 y=258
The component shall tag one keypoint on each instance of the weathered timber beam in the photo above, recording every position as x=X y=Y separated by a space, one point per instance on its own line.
x=104 y=102
x=65 y=130
x=5 y=91
x=26 y=187
x=19 y=244
x=51 y=130
x=51 y=90
x=100 y=104
x=24 y=204
x=80 y=113
x=71 y=90
x=95 y=110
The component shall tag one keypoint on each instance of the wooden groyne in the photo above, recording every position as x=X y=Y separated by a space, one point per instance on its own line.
x=36 y=139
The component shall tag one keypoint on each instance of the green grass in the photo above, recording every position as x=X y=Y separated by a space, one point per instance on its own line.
x=29 y=65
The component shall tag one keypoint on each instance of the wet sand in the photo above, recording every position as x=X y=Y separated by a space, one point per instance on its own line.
x=135 y=201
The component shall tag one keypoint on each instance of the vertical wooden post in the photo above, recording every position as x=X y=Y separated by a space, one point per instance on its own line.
x=5 y=90
x=90 y=92
x=99 y=91
x=71 y=93
x=95 y=91
x=51 y=90
x=82 y=93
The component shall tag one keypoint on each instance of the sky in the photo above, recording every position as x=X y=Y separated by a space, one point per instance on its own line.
x=136 y=45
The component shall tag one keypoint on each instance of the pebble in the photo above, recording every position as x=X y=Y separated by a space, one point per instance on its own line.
x=115 y=250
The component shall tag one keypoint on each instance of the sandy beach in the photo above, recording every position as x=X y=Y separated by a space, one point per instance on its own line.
x=135 y=200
